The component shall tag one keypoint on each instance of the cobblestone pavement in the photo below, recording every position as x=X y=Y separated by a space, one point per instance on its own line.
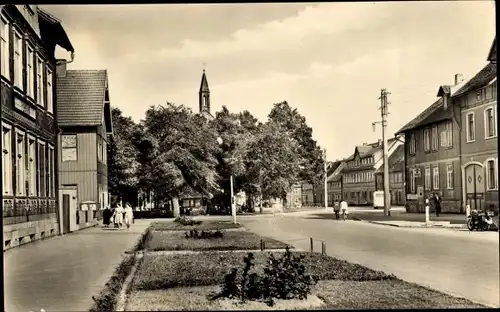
x=457 y=262
x=63 y=273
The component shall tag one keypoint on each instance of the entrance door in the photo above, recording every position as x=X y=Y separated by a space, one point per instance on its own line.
x=474 y=186
x=68 y=201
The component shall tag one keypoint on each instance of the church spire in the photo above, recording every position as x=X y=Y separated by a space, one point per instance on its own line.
x=204 y=94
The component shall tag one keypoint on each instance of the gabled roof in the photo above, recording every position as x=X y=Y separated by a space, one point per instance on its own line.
x=83 y=98
x=492 y=56
x=204 y=83
x=336 y=174
x=52 y=30
x=396 y=160
x=481 y=79
x=430 y=115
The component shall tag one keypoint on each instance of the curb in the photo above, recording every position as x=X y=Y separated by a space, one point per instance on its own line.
x=122 y=297
x=423 y=226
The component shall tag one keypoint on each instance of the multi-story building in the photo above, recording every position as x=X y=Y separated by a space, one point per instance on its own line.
x=432 y=153
x=28 y=37
x=477 y=101
x=318 y=190
x=359 y=171
x=84 y=117
x=396 y=176
x=335 y=183
x=307 y=194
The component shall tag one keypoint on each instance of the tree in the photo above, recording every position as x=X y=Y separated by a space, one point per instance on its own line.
x=122 y=152
x=294 y=124
x=177 y=153
x=273 y=161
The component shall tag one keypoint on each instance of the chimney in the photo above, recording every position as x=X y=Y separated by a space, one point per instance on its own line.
x=364 y=144
x=61 y=68
x=379 y=142
x=458 y=79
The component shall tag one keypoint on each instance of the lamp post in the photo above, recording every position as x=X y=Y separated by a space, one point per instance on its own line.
x=326 y=179
x=233 y=207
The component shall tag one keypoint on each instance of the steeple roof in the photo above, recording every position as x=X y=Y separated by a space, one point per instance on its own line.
x=204 y=83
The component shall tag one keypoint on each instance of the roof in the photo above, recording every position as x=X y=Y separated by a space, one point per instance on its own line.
x=430 y=115
x=492 y=56
x=204 y=83
x=336 y=175
x=481 y=79
x=396 y=160
x=81 y=98
x=51 y=26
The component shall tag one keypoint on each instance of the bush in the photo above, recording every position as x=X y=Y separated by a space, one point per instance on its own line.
x=186 y=221
x=204 y=234
x=283 y=278
x=108 y=297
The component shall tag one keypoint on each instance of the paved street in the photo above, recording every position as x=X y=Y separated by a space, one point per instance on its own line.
x=63 y=273
x=457 y=262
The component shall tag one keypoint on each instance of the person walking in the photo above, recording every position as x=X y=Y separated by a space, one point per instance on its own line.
x=437 y=204
x=336 y=209
x=343 y=208
x=106 y=216
x=129 y=215
x=119 y=215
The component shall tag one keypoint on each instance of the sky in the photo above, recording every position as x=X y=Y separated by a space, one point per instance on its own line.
x=328 y=60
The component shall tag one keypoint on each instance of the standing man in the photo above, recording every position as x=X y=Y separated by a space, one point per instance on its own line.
x=343 y=208
x=437 y=204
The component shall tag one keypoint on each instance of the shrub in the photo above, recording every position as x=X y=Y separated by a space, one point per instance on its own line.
x=108 y=297
x=204 y=234
x=186 y=221
x=283 y=278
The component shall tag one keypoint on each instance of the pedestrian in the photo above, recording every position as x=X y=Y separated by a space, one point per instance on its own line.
x=344 y=209
x=437 y=204
x=336 y=209
x=119 y=215
x=106 y=216
x=129 y=215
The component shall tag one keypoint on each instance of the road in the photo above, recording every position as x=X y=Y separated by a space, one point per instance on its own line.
x=456 y=262
x=63 y=273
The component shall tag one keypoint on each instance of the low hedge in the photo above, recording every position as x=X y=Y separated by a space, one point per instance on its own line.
x=209 y=268
x=207 y=225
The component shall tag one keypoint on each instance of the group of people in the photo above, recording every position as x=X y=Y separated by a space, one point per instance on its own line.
x=119 y=216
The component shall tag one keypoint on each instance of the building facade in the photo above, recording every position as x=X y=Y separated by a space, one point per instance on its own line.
x=477 y=101
x=396 y=177
x=28 y=37
x=307 y=194
x=359 y=172
x=84 y=117
x=335 y=184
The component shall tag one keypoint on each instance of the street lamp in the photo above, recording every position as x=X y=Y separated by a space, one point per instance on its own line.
x=233 y=207
x=326 y=179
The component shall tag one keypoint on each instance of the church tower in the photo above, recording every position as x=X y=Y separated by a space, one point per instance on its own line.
x=204 y=95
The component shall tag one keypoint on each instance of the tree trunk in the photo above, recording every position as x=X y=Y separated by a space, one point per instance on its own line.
x=175 y=204
x=260 y=204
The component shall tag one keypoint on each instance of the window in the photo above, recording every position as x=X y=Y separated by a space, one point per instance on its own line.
x=30 y=72
x=69 y=147
x=478 y=95
x=51 y=172
x=470 y=128
x=435 y=139
x=39 y=82
x=6 y=159
x=412 y=181
x=427 y=140
x=490 y=125
x=20 y=164
x=435 y=178
x=42 y=176
x=50 y=92
x=427 y=180
x=31 y=166
x=18 y=60
x=105 y=152
x=413 y=144
x=4 y=47
x=447 y=135
x=449 y=176
x=491 y=172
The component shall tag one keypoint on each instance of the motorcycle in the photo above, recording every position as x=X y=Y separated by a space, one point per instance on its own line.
x=479 y=220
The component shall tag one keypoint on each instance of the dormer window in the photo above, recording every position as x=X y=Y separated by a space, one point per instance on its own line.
x=30 y=8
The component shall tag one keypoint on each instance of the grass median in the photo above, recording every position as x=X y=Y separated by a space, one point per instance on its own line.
x=206 y=225
x=232 y=240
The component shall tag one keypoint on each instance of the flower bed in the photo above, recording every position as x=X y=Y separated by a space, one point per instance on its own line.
x=232 y=240
x=204 y=225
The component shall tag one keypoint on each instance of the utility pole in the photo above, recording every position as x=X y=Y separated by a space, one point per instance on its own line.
x=326 y=179
x=384 y=113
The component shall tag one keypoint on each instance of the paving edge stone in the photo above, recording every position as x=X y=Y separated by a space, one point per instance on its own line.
x=122 y=297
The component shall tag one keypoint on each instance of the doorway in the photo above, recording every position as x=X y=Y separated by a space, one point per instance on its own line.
x=68 y=200
x=474 y=186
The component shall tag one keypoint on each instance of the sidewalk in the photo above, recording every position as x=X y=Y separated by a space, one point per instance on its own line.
x=63 y=273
